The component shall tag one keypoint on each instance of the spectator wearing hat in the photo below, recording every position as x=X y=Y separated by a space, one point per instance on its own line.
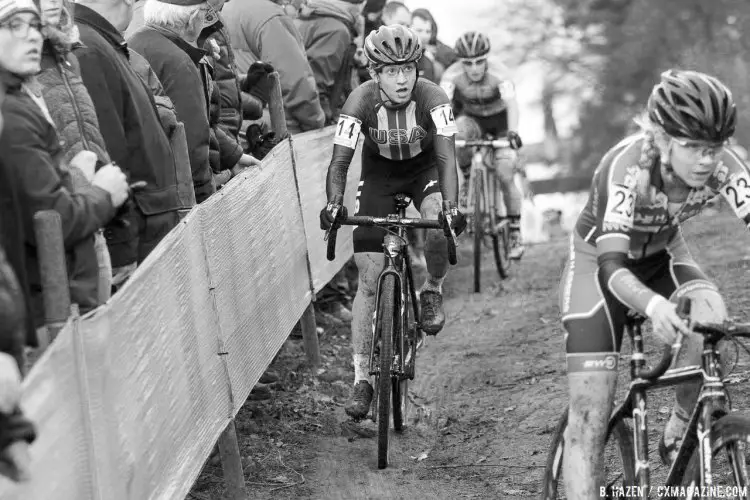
x=132 y=132
x=328 y=29
x=32 y=164
x=260 y=30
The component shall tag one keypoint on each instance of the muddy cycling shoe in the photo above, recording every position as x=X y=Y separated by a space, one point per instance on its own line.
x=433 y=317
x=360 y=399
x=516 y=250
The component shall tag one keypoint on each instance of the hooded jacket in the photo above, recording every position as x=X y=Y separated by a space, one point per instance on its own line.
x=328 y=28
x=32 y=160
x=260 y=30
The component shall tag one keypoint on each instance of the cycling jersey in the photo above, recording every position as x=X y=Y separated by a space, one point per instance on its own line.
x=407 y=149
x=483 y=99
x=395 y=134
x=617 y=224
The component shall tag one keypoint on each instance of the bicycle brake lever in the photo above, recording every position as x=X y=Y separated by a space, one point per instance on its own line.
x=335 y=213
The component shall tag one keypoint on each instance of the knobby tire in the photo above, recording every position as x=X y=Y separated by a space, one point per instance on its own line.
x=500 y=241
x=386 y=314
x=478 y=231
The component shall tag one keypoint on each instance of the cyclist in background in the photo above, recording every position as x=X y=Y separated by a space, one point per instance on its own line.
x=627 y=252
x=484 y=100
x=409 y=148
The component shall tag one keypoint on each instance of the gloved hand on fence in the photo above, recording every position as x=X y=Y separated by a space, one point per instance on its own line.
x=327 y=218
x=453 y=214
x=258 y=81
x=514 y=139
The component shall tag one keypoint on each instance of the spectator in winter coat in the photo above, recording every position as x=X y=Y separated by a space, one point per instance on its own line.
x=169 y=43
x=72 y=110
x=31 y=160
x=328 y=29
x=260 y=30
x=442 y=56
x=133 y=134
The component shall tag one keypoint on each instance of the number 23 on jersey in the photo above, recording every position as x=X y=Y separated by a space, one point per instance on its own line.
x=737 y=193
x=347 y=131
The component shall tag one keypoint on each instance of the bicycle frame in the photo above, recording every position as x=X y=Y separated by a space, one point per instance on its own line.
x=493 y=198
x=397 y=264
x=713 y=403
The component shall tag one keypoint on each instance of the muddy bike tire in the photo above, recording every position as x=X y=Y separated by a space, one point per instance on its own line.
x=552 y=486
x=386 y=314
x=400 y=389
x=500 y=241
x=478 y=223
x=729 y=436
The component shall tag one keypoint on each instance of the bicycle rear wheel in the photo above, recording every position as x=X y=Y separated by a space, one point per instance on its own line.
x=386 y=313
x=500 y=239
x=478 y=223
x=619 y=466
x=730 y=446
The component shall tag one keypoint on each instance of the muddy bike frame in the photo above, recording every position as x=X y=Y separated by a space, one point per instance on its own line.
x=405 y=335
x=713 y=403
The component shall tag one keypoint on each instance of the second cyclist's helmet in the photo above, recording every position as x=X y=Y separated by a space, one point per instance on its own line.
x=393 y=44
x=693 y=105
x=472 y=44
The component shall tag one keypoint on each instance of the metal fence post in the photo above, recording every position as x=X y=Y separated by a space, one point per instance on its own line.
x=53 y=270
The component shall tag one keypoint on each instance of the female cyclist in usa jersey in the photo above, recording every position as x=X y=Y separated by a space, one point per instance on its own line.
x=627 y=252
x=409 y=148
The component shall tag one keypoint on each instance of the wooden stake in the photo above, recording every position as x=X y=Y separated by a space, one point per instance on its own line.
x=231 y=463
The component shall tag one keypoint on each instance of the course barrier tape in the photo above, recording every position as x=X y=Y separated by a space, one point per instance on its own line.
x=130 y=399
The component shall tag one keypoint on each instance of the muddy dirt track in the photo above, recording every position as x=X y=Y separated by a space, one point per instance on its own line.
x=488 y=392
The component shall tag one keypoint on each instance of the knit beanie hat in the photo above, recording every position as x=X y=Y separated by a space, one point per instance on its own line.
x=9 y=8
x=374 y=6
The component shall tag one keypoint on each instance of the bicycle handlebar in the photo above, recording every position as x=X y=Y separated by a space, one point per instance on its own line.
x=712 y=331
x=389 y=221
x=496 y=143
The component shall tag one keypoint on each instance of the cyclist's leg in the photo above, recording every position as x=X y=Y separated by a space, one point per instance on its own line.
x=681 y=277
x=429 y=202
x=468 y=129
x=505 y=166
x=593 y=322
x=374 y=198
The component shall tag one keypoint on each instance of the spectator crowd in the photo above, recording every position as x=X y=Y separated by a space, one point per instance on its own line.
x=121 y=115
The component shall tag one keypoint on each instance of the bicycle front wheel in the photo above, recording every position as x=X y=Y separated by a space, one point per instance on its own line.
x=478 y=222
x=386 y=313
x=619 y=465
x=730 y=452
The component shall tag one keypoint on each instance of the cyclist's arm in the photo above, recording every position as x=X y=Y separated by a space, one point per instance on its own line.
x=508 y=94
x=345 y=138
x=616 y=209
x=445 y=150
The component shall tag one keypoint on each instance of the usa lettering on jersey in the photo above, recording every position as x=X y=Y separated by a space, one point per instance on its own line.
x=396 y=136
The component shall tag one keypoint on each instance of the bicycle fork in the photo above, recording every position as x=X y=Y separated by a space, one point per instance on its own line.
x=640 y=420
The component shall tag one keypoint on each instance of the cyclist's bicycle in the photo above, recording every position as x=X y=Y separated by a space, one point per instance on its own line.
x=482 y=206
x=396 y=323
x=714 y=438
